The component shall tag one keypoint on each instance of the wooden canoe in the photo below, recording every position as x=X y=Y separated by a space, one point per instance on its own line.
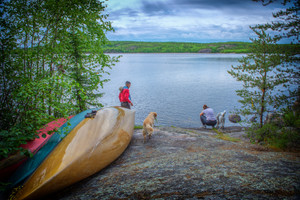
x=31 y=164
x=89 y=147
x=10 y=164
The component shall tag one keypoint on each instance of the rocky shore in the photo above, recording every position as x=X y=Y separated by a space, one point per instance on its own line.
x=182 y=163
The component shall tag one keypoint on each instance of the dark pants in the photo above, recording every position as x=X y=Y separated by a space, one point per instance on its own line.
x=125 y=105
x=205 y=122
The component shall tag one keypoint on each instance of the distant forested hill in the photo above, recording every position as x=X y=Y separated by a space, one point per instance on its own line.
x=176 y=47
x=180 y=47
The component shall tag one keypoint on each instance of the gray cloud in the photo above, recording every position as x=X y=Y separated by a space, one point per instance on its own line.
x=187 y=20
x=156 y=8
x=219 y=4
x=116 y=14
x=245 y=7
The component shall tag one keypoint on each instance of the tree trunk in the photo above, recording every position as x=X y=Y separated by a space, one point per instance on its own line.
x=262 y=110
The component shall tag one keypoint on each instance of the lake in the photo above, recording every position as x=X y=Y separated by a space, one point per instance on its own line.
x=175 y=86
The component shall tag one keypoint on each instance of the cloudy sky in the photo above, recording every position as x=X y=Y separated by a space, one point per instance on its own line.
x=186 y=20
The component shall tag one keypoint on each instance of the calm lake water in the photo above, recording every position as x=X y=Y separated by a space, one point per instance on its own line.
x=175 y=86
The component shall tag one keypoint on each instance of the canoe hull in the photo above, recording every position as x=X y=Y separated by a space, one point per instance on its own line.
x=88 y=148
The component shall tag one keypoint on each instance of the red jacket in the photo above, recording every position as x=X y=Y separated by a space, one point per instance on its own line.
x=124 y=95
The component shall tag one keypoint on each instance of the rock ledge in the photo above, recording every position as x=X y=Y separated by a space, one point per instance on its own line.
x=191 y=164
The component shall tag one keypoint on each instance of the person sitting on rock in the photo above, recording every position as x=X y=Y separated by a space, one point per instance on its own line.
x=207 y=117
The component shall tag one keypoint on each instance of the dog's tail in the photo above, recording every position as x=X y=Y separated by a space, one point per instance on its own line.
x=149 y=128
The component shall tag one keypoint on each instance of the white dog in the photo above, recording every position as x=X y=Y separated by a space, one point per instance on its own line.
x=221 y=119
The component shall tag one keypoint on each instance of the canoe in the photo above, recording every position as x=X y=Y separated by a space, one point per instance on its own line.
x=27 y=168
x=10 y=164
x=88 y=148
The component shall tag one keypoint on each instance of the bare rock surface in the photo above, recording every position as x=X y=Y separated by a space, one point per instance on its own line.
x=181 y=163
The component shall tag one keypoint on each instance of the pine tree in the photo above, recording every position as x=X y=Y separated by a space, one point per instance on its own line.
x=270 y=74
x=287 y=21
x=262 y=76
x=286 y=25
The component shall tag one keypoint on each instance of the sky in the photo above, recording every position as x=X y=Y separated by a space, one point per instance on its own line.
x=186 y=20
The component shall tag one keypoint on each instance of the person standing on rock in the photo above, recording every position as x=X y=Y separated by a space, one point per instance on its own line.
x=124 y=96
x=207 y=117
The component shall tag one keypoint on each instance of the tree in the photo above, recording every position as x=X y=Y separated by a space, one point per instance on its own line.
x=86 y=66
x=51 y=63
x=287 y=26
x=270 y=76
x=287 y=21
x=261 y=75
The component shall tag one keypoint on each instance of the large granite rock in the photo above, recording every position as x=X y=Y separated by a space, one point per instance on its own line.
x=234 y=118
x=192 y=164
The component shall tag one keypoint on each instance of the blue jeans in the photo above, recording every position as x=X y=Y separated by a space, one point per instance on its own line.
x=207 y=122
x=125 y=105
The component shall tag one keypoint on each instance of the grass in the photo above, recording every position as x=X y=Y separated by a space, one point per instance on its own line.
x=223 y=136
x=138 y=127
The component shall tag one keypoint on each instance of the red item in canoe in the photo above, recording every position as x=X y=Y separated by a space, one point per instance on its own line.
x=10 y=164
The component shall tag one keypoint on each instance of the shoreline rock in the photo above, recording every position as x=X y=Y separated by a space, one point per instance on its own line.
x=234 y=118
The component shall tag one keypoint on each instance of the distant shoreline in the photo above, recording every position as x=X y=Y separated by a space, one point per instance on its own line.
x=176 y=47
x=173 y=53
x=123 y=47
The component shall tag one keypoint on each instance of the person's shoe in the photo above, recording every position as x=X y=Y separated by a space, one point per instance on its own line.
x=90 y=115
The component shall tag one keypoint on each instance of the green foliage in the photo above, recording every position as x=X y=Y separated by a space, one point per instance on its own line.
x=287 y=23
x=261 y=134
x=292 y=119
x=45 y=70
x=286 y=26
x=274 y=136
x=263 y=73
x=270 y=76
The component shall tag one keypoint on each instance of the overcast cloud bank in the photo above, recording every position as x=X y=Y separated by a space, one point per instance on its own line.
x=187 y=20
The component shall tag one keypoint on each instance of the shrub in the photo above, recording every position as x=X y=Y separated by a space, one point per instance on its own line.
x=275 y=136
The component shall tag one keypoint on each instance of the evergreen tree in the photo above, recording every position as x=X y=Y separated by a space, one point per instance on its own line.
x=287 y=21
x=262 y=75
x=286 y=25
x=271 y=77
